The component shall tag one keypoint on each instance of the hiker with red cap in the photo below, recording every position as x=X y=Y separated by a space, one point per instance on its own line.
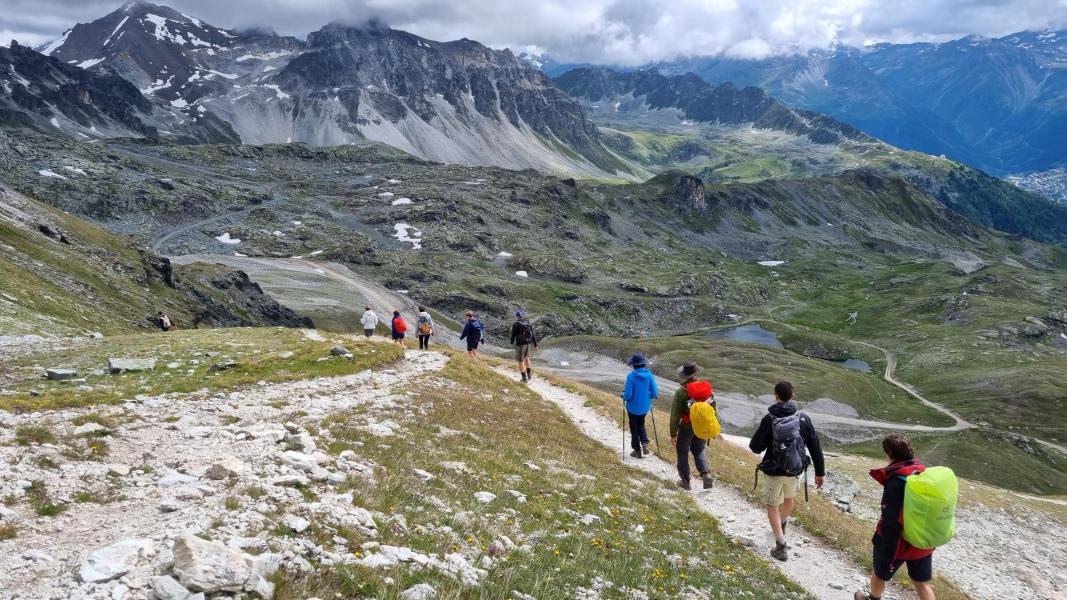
x=683 y=436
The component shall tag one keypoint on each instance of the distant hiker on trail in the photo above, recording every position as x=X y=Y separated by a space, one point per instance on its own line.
x=400 y=329
x=472 y=332
x=522 y=338
x=425 y=328
x=682 y=436
x=369 y=320
x=787 y=436
x=891 y=550
x=164 y=321
x=640 y=391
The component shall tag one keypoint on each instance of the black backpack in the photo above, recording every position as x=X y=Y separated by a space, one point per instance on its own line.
x=788 y=453
x=525 y=333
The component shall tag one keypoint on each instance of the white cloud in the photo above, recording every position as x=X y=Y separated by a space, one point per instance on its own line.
x=616 y=31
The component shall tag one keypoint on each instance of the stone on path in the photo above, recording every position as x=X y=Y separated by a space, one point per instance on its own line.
x=87 y=429
x=111 y=562
x=124 y=365
x=420 y=591
x=165 y=587
x=204 y=566
x=485 y=497
x=226 y=468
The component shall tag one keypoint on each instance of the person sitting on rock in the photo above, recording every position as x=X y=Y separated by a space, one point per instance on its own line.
x=891 y=550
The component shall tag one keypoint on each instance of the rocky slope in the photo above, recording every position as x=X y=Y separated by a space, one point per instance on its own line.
x=62 y=276
x=45 y=94
x=455 y=102
x=698 y=100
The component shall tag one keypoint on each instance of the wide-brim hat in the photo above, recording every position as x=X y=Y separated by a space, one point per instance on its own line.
x=688 y=369
x=637 y=360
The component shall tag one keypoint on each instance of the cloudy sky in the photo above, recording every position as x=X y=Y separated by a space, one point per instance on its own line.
x=614 y=31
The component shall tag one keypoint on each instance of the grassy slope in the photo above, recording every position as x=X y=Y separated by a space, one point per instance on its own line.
x=736 y=466
x=257 y=352
x=579 y=477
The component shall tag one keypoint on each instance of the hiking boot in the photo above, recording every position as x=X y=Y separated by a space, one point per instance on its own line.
x=861 y=596
x=780 y=552
x=637 y=454
x=684 y=484
x=644 y=447
x=709 y=481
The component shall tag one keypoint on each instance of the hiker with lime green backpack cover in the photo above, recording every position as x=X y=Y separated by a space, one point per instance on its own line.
x=918 y=515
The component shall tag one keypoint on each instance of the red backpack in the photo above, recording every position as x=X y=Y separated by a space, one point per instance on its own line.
x=699 y=391
x=400 y=325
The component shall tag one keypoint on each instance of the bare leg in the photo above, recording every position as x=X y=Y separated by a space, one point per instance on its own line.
x=774 y=516
x=877 y=586
x=787 y=508
x=925 y=590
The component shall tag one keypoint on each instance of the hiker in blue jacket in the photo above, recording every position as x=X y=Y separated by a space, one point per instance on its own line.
x=473 y=332
x=638 y=394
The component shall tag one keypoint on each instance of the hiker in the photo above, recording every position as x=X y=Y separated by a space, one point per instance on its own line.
x=640 y=391
x=369 y=320
x=472 y=332
x=891 y=550
x=399 y=329
x=522 y=338
x=425 y=328
x=787 y=436
x=164 y=321
x=682 y=436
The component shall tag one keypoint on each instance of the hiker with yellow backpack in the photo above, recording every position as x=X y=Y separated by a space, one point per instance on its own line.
x=918 y=515
x=693 y=423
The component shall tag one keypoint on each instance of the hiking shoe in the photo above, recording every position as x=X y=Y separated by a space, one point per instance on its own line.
x=780 y=552
x=644 y=447
x=861 y=596
x=709 y=481
x=684 y=484
x=637 y=454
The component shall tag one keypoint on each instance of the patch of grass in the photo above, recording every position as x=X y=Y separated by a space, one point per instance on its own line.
x=44 y=462
x=41 y=502
x=257 y=351
x=95 y=417
x=34 y=436
x=561 y=555
x=8 y=531
x=232 y=503
x=254 y=492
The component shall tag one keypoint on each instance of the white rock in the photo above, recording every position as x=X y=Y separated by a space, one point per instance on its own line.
x=169 y=506
x=519 y=496
x=171 y=478
x=111 y=562
x=165 y=587
x=6 y=514
x=118 y=470
x=589 y=519
x=226 y=468
x=290 y=481
x=420 y=591
x=209 y=567
x=485 y=497
x=296 y=523
x=89 y=429
x=423 y=475
x=299 y=460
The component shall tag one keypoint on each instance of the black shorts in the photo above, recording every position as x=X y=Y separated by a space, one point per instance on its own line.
x=472 y=344
x=398 y=336
x=919 y=569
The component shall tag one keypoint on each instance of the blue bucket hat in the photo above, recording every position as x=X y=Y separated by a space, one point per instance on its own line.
x=520 y=314
x=637 y=360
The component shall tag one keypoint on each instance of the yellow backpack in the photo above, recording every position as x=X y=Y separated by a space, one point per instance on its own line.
x=701 y=414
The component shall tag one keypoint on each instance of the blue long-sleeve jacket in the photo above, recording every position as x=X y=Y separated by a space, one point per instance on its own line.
x=639 y=392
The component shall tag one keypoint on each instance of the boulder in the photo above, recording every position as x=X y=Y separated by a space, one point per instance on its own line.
x=58 y=374
x=299 y=460
x=295 y=523
x=340 y=351
x=225 y=468
x=111 y=562
x=224 y=366
x=419 y=591
x=485 y=497
x=209 y=567
x=118 y=470
x=88 y=429
x=171 y=478
x=124 y=365
x=165 y=587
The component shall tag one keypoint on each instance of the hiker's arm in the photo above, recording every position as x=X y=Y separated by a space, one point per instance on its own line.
x=885 y=550
x=676 y=415
x=628 y=390
x=654 y=389
x=463 y=335
x=761 y=440
x=811 y=439
x=514 y=332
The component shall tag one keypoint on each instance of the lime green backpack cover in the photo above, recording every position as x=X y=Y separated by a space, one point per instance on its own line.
x=930 y=507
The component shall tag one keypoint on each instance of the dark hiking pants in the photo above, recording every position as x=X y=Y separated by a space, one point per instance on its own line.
x=638 y=435
x=688 y=443
x=424 y=342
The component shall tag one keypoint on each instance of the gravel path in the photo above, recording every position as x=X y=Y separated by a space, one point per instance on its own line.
x=825 y=572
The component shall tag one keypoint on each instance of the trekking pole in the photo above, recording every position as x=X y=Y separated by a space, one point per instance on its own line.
x=624 y=429
x=655 y=431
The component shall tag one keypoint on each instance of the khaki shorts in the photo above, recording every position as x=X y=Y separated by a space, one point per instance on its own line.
x=776 y=488
x=522 y=352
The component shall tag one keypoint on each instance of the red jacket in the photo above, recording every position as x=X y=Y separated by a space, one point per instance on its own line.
x=888 y=534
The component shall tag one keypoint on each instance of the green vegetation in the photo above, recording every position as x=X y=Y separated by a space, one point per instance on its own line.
x=41 y=502
x=34 y=436
x=8 y=531
x=752 y=369
x=262 y=354
x=561 y=554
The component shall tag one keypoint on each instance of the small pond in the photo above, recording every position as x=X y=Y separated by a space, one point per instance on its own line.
x=750 y=334
x=855 y=364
